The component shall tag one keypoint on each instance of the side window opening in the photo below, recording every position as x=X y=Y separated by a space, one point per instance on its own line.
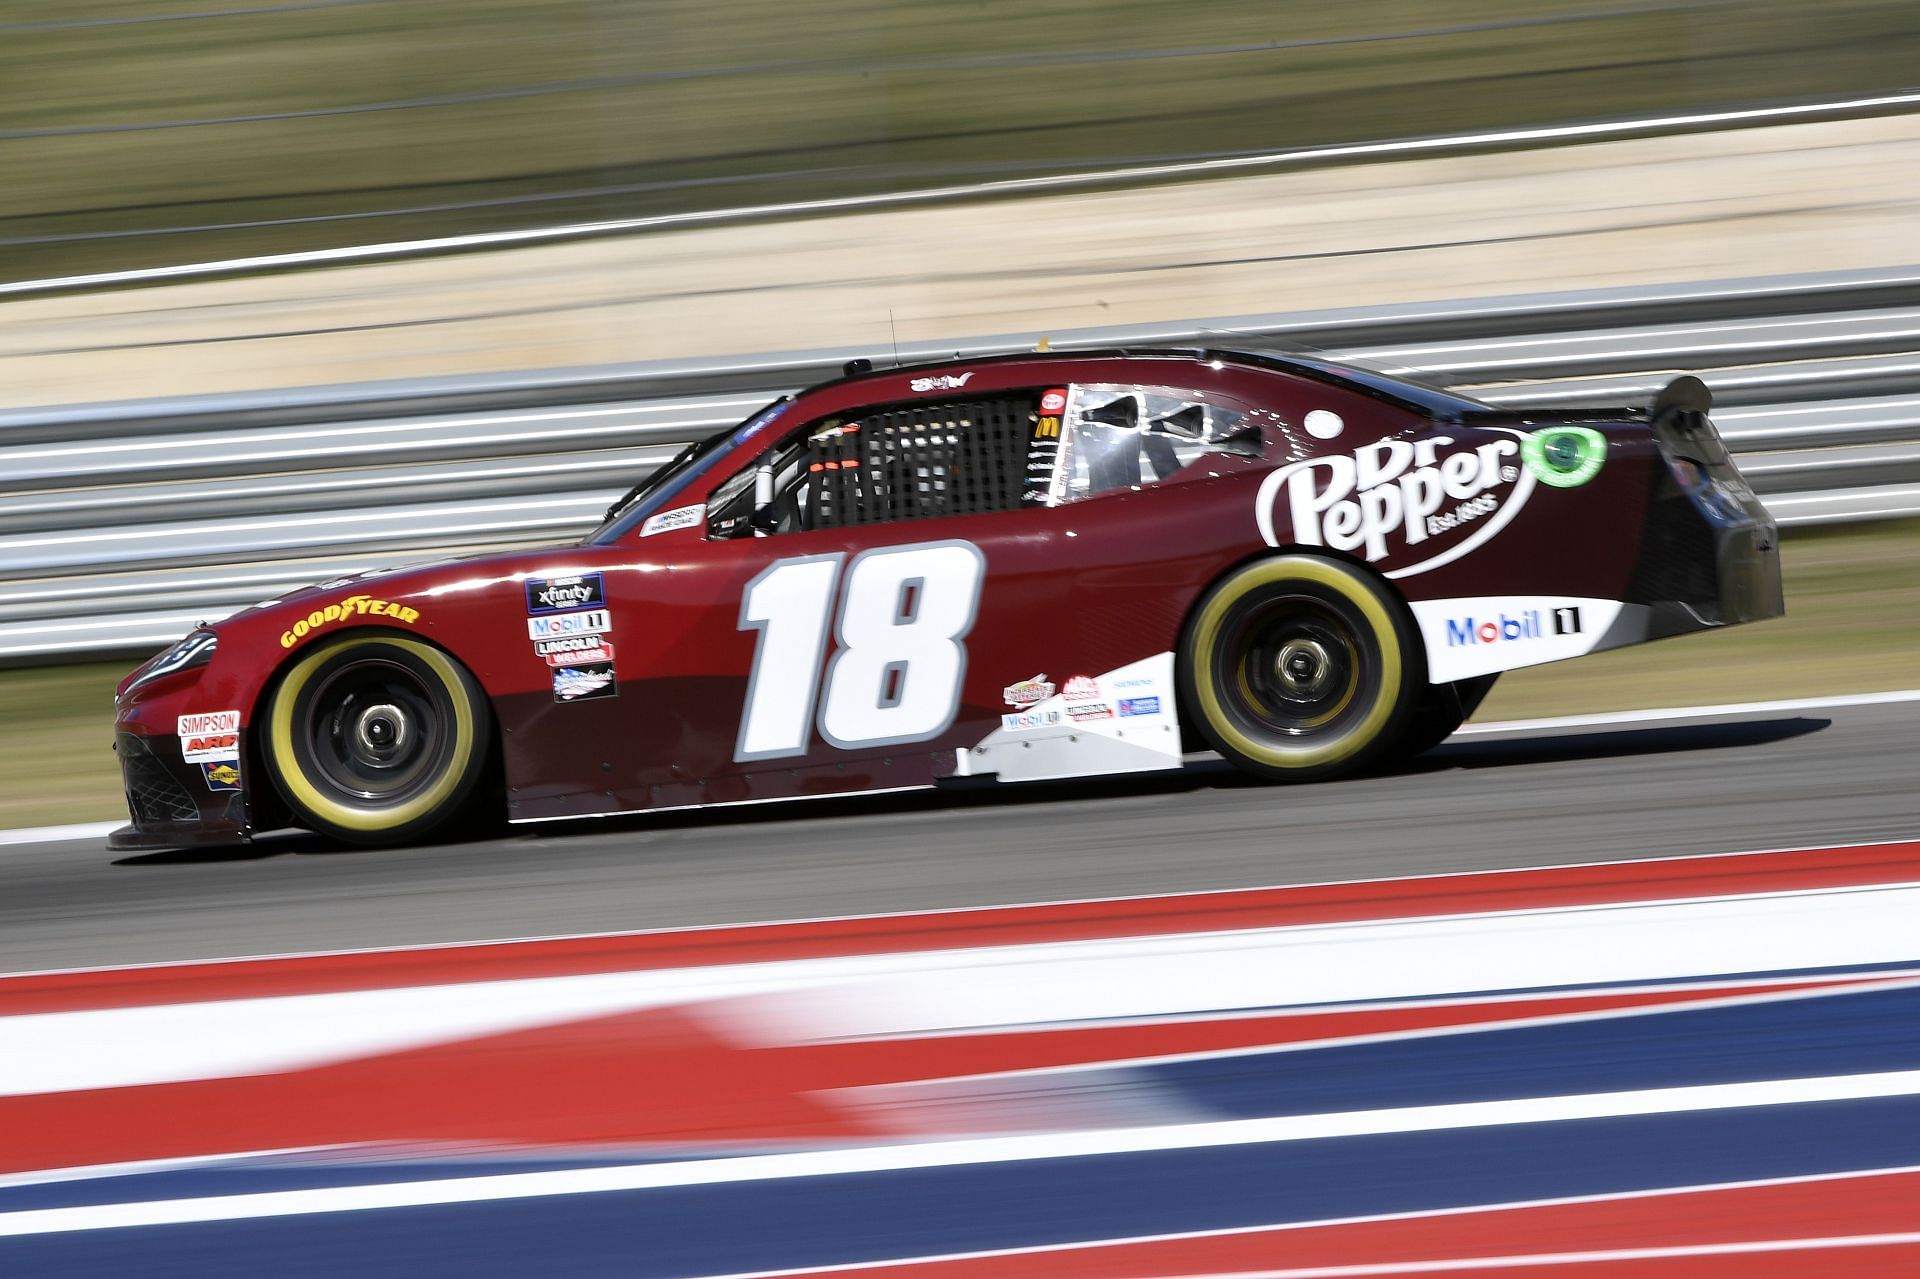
x=907 y=462
x=1129 y=437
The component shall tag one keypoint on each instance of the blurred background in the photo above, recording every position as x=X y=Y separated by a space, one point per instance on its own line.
x=682 y=149
x=150 y=133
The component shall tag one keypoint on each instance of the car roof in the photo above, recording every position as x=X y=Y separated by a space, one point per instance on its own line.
x=1378 y=384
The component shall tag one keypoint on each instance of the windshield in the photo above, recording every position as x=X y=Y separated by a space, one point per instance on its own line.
x=661 y=487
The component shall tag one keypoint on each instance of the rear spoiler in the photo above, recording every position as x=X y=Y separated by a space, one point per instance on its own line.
x=1685 y=399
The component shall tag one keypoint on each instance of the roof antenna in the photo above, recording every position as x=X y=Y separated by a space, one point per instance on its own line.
x=896 y=337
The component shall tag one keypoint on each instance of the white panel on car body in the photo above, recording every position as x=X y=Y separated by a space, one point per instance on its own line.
x=1066 y=735
x=1483 y=634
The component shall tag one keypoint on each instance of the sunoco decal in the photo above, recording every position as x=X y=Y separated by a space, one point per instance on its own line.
x=1410 y=505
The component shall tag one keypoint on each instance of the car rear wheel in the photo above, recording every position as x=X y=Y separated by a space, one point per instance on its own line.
x=1299 y=668
x=377 y=739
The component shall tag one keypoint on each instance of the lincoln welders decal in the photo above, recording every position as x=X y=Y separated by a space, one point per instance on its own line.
x=1408 y=505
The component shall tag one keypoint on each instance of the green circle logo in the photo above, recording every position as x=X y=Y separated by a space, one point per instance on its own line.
x=1564 y=456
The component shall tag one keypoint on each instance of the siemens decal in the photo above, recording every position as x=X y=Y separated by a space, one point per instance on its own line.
x=1393 y=495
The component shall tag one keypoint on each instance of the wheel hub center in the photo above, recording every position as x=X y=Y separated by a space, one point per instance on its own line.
x=382 y=731
x=1303 y=667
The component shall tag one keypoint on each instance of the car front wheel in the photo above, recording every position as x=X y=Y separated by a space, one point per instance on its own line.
x=376 y=738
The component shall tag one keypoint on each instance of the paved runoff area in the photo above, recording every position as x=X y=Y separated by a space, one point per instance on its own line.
x=1712 y=1064
x=1739 y=202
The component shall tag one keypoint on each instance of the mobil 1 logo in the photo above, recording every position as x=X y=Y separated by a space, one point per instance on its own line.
x=560 y=594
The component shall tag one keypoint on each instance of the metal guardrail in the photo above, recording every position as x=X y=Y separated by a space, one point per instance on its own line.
x=121 y=525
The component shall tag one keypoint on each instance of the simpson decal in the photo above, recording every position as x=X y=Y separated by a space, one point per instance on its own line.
x=211 y=735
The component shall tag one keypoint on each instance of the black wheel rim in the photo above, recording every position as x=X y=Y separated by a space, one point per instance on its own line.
x=372 y=728
x=1294 y=665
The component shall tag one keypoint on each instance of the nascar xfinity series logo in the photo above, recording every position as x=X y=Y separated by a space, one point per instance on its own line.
x=1389 y=497
x=554 y=595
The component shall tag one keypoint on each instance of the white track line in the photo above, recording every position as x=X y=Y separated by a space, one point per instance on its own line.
x=946 y=1154
x=58 y=834
x=1002 y=187
x=1657 y=714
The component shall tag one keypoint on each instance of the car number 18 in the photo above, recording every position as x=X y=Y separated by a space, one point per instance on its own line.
x=898 y=664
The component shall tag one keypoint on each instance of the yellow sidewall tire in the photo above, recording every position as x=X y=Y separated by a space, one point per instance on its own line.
x=1387 y=692
x=418 y=813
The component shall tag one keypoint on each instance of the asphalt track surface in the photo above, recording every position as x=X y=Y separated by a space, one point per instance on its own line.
x=1728 y=783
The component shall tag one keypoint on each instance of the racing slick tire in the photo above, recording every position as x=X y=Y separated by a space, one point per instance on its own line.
x=1441 y=712
x=1298 y=668
x=376 y=738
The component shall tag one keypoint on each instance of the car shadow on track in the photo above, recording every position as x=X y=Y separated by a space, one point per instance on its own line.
x=1203 y=773
x=1609 y=743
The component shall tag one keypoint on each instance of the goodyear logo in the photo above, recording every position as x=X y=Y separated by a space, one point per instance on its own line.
x=346 y=610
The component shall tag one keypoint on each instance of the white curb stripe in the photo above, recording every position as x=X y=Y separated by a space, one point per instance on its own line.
x=947 y=1154
x=1657 y=714
x=58 y=834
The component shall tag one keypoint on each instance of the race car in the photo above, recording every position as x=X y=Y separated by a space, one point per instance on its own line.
x=1046 y=565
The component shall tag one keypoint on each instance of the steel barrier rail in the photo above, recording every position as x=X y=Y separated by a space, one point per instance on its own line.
x=123 y=524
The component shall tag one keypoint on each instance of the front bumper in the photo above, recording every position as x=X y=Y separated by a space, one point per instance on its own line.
x=173 y=802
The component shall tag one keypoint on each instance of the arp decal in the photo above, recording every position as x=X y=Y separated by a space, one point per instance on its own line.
x=346 y=610
x=1428 y=500
x=561 y=594
x=1564 y=456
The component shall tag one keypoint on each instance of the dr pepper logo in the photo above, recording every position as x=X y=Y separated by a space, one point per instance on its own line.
x=1412 y=504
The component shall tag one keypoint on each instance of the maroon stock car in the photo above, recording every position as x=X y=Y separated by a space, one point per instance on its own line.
x=1039 y=566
